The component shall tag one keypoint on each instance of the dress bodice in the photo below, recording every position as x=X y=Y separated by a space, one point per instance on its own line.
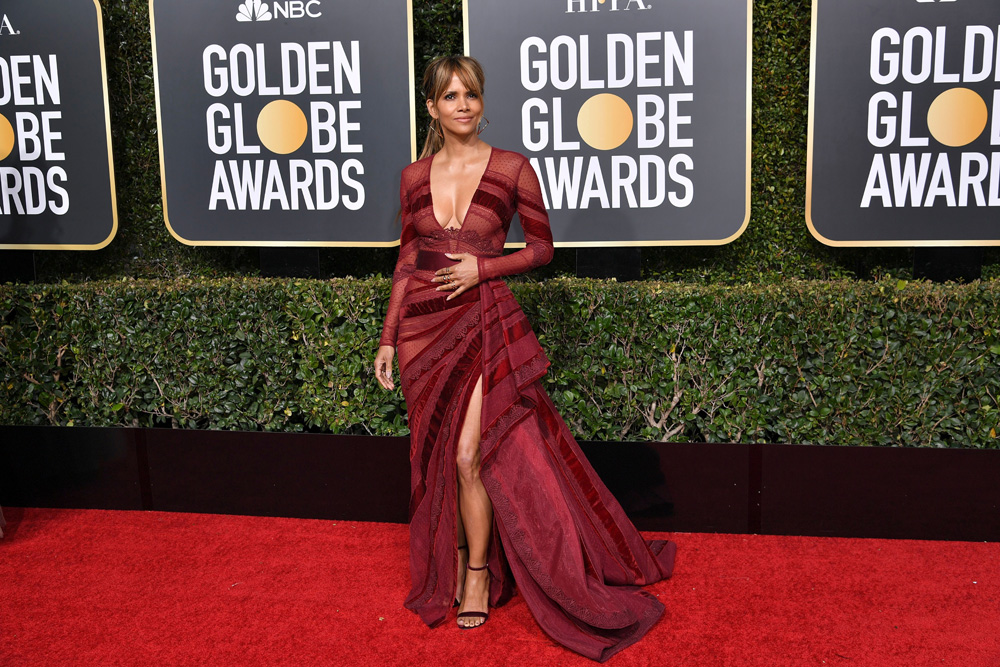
x=509 y=185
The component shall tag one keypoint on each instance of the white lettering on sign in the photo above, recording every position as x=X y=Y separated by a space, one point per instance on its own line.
x=36 y=136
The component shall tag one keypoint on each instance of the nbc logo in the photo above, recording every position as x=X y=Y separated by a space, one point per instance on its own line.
x=255 y=10
x=6 y=28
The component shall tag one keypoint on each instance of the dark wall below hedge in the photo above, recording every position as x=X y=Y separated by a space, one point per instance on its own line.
x=842 y=363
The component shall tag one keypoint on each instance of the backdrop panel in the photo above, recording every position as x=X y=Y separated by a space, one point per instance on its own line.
x=283 y=123
x=904 y=123
x=634 y=114
x=57 y=188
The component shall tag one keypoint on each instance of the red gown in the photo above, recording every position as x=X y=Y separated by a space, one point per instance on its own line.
x=574 y=555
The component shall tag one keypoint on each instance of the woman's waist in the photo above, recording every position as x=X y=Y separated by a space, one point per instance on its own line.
x=433 y=259
x=422 y=293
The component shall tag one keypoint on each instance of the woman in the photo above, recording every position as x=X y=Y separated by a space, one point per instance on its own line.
x=499 y=487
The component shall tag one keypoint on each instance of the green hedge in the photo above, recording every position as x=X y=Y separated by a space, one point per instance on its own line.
x=775 y=246
x=843 y=363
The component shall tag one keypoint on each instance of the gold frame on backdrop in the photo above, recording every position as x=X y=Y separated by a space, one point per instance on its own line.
x=280 y=244
x=111 y=165
x=686 y=242
x=875 y=243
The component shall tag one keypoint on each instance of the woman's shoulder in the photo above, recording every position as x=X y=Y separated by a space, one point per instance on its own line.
x=510 y=156
x=415 y=171
x=507 y=162
x=421 y=165
x=501 y=160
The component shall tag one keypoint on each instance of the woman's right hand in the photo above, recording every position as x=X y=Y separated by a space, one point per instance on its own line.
x=383 y=366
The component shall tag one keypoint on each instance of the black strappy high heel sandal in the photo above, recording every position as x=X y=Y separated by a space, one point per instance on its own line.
x=485 y=615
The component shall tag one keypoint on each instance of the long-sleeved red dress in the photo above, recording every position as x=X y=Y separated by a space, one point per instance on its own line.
x=574 y=555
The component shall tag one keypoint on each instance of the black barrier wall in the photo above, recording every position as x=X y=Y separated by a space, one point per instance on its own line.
x=767 y=489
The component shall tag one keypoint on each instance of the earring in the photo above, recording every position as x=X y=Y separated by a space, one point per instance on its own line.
x=433 y=130
x=481 y=128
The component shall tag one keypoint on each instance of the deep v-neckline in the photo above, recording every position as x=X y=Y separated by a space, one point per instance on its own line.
x=479 y=184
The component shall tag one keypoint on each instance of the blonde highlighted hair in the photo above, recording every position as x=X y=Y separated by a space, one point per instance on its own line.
x=437 y=78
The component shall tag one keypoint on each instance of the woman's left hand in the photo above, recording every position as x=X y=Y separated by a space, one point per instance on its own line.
x=459 y=277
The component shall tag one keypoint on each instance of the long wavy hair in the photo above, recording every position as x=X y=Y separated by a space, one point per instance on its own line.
x=437 y=76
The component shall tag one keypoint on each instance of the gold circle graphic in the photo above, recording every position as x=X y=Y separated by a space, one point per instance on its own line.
x=957 y=117
x=6 y=137
x=282 y=127
x=605 y=121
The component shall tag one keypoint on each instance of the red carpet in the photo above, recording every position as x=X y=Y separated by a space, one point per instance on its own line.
x=147 y=588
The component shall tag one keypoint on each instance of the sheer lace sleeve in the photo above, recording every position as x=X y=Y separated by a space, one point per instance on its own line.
x=537 y=235
x=408 y=242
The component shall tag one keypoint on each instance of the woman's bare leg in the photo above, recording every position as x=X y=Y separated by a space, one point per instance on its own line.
x=476 y=510
x=463 y=554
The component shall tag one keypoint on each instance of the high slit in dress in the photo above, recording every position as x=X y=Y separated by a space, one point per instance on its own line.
x=558 y=533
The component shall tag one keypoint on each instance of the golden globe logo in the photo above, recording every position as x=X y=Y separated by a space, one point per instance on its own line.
x=282 y=127
x=589 y=6
x=641 y=68
x=915 y=171
x=32 y=185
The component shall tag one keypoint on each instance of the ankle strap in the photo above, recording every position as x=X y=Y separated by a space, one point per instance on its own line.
x=485 y=565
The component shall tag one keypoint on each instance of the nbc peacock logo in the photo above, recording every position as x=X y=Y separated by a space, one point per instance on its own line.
x=257 y=10
x=253 y=10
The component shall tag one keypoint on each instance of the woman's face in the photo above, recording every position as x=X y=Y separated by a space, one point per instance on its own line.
x=458 y=109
